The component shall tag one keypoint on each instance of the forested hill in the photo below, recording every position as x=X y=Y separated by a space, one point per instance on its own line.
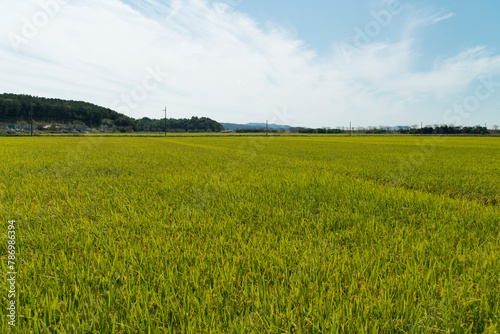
x=17 y=108
x=14 y=107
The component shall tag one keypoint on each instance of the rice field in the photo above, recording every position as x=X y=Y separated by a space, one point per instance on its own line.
x=252 y=234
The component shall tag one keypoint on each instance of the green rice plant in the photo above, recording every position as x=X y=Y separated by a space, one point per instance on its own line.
x=252 y=234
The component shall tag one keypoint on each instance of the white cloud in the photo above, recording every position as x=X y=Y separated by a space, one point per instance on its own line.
x=221 y=64
x=439 y=17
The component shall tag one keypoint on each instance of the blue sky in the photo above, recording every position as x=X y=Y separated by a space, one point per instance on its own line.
x=325 y=22
x=372 y=62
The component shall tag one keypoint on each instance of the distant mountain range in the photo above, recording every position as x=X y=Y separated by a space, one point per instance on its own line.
x=234 y=126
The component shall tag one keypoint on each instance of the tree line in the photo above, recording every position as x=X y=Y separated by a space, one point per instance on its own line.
x=428 y=130
x=193 y=124
x=447 y=130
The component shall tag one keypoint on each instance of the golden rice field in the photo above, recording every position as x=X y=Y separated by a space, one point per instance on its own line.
x=252 y=234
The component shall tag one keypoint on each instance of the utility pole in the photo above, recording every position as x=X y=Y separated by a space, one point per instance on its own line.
x=31 y=119
x=165 y=121
x=421 y=128
x=350 y=128
x=267 y=127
